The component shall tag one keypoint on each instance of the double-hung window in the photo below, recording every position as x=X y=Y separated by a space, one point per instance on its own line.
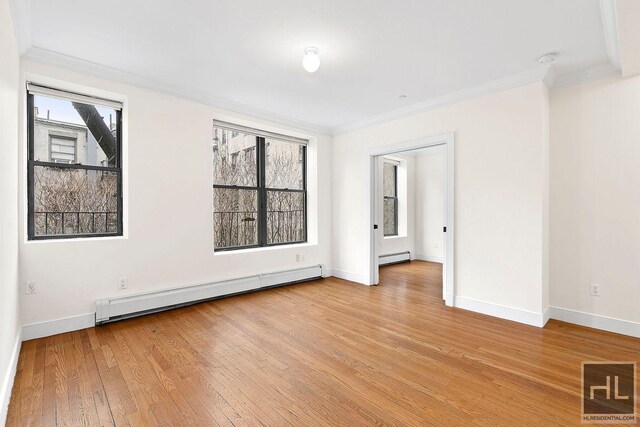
x=74 y=169
x=260 y=197
x=390 y=193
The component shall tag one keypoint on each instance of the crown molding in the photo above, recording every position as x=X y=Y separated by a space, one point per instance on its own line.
x=610 y=26
x=535 y=75
x=47 y=57
x=594 y=73
x=21 y=13
x=547 y=74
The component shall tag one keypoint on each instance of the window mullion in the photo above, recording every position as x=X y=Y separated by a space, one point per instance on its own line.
x=262 y=192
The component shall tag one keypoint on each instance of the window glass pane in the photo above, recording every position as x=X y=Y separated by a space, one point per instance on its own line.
x=234 y=159
x=90 y=131
x=284 y=164
x=235 y=217
x=389 y=179
x=390 y=217
x=74 y=201
x=285 y=217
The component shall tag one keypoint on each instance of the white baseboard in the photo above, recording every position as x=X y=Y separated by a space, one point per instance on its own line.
x=605 y=323
x=394 y=258
x=501 y=311
x=595 y=321
x=7 y=381
x=546 y=315
x=59 y=326
x=430 y=258
x=352 y=277
x=449 y=300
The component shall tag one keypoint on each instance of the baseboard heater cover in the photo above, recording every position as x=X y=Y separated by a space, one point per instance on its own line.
x=394 y=258
x=118 y=308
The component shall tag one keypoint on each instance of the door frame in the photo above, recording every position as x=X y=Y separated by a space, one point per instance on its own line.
x=446 y=139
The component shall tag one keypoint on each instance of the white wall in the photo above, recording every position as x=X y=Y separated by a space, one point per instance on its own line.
x=595 y=197
x=9 y=300
x=405 y=240
x=500 y=146
x=168 y=195
x=430 y=203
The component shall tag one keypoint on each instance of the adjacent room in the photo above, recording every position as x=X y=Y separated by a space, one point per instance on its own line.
x=322 y=213
x=411 y=207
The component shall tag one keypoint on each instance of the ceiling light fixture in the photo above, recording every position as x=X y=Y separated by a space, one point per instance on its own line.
x=548 y=58
x=311 y=60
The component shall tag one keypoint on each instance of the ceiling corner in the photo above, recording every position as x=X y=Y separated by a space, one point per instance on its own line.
x=21 y=11
x=627 y=15
x=550 y=77
x=610 y=27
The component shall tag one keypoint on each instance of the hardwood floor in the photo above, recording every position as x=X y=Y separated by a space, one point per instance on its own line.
x=320 y=353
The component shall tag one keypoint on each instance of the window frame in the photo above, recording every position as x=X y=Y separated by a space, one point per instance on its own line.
x=262 y=191
x=395 y=201
x=32 y=163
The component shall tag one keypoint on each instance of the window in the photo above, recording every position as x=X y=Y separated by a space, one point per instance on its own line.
x=261 y=198
x=390 y=193
x=74 y=165
x=62 y=149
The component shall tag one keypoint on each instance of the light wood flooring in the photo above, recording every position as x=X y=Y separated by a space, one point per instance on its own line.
x=322 y=353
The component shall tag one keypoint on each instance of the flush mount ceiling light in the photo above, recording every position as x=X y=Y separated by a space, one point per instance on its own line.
x=311 y=60
x=548 y=58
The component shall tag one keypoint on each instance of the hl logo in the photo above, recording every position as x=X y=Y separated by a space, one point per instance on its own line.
x=608 y=392
x=608 y=389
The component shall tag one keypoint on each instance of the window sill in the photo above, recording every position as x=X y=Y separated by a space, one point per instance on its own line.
x=75 y=239
x=264 y=249
x=394 y=237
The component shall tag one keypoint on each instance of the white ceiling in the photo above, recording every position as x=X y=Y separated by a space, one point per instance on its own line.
x=249 y=52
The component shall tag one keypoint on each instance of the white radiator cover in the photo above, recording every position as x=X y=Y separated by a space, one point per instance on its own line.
x=111 y=309
x=394 y=258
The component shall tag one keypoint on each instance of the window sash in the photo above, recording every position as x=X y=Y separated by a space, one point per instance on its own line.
x=394 y=168
x=262 y=190
x=31 y=164
x=395 y=216
x=394 y=197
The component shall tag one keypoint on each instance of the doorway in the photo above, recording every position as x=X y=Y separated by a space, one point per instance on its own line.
x=392 y=157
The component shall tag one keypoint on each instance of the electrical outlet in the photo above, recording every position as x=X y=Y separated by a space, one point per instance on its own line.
x=297 y=257
x=122 y=283
x=302 y=257
x=435 y=245
x=595 y=290
x=30 y=288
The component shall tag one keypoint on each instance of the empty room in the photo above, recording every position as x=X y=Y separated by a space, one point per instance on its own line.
x=329 y=213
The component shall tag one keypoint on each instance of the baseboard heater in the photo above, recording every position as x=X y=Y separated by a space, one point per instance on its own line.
x=119 y=308
x=394 y=258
